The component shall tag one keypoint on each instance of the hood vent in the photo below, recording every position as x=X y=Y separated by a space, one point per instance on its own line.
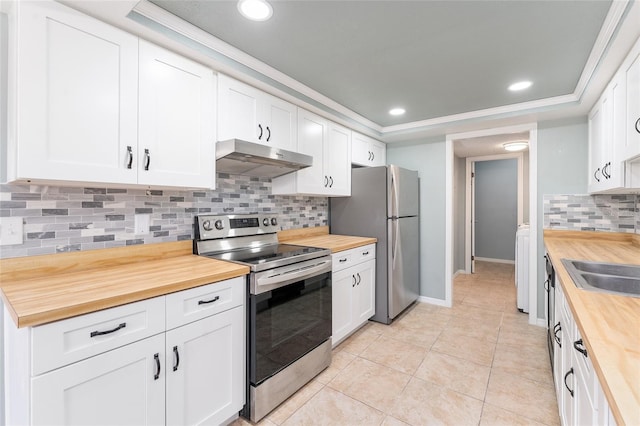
x=238 y=157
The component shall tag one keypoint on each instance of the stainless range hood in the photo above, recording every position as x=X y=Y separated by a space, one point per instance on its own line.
x=238 y=157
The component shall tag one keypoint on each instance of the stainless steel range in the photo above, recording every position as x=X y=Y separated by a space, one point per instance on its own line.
x=288 y=306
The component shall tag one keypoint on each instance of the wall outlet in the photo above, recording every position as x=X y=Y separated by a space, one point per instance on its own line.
x=141 y=224
x=11 y=230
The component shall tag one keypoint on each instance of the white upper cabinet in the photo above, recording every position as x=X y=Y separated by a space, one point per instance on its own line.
x=247 y=113
x=366 y=151
x=76 y=97
x=330 y=146
x=630 y=74
x=92 y=105
x=176 y=122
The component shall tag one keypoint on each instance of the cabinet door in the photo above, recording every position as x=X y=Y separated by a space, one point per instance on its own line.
x=378 y=154
x=360 y=149
x=365 y=289
x=280 y=122
x=342 y=295
x=632 y=127
x=115 y=388
x=614 y=163
x=176 y=122
x=337 y=160
x=78 y=96
x=238 y=111
x=312 y=134
x=205 y=374
x=596 y=143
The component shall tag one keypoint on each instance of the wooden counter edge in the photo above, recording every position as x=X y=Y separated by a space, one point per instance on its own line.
x=591 y=235
x=37 y=266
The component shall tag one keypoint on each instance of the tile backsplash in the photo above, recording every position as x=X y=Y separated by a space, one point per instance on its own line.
x=62 y=219
x=607 y=213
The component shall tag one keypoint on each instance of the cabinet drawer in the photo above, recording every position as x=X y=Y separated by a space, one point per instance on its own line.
x=64 y=342
x=365 y=253
x=341 y=260
x=191 y=305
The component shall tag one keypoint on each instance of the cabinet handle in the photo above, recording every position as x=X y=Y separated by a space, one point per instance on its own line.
x=147 y=159
x=556 y=329
x=369 y=152
x=268 y=133
x=102 y=333
x=595 y=175
x=607 y=169
x=130 y=154
x=565 y=381
x=638 y=125
x=204 y=302
x=326 y=181
x=260 y=135
x=331 y=184
x=177 y=357
x=342 y=260
x=373 y=155
x=365 y=253
x=578 y=345
x=354 y=280
x=546 y=285
x=359 y=278
x=156 y=357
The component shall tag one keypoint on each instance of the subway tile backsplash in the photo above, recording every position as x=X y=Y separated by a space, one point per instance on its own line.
x=607 y=213
x=64 y=219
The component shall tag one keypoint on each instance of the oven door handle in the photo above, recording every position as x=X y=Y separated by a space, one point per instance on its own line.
x=296 y=274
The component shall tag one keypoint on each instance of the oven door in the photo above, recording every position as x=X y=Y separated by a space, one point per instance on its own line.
x=288 y=321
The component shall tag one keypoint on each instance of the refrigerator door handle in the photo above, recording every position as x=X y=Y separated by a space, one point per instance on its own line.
x=393 y=196
x=394 y=240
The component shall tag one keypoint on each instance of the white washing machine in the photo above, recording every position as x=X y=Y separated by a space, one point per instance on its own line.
x=522 y=267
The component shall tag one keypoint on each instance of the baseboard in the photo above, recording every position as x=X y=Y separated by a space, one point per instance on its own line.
x=488 y=259
x=458 y=272
x=541 y=322
x=433 y=301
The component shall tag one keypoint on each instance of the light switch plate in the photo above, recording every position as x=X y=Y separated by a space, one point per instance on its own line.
x=141 y=224
x=11 y=230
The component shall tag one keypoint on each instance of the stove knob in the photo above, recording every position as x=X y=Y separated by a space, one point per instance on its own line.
x=265 y=221
x=274 y=222
x=219 y=225
x=206 y=225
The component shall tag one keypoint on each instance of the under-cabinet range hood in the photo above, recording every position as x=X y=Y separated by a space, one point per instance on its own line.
x=238 y=157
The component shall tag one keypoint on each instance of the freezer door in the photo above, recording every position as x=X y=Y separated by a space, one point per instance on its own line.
x=404 y=263
x=403 y=192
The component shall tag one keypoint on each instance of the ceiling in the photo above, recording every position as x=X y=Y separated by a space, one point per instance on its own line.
x=433 y=58
x=486 y=145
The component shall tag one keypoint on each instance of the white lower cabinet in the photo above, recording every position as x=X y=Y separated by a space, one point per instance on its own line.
x=581 y=400
x=192 y=371
x=353 y=295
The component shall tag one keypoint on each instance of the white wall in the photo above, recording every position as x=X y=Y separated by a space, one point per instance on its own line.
x=428 y=158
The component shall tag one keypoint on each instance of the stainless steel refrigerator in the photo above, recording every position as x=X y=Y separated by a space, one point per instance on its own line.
x=384 y=204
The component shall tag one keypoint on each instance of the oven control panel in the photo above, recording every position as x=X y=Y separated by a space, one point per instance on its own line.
x=223 y=226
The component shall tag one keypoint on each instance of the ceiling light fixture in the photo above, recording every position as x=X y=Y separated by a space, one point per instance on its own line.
x=256 y=10
x=397 y=111
x=516 y=145
x=520 y=85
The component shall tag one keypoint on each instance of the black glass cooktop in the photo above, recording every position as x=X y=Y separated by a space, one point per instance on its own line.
x=271 y=255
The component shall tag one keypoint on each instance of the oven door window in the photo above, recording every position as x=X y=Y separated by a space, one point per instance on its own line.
x=286 y=323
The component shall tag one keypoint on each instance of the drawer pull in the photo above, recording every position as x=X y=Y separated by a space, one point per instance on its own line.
x=570 y=372
x=156 y=357
x=102 y=333
x=578 y=345
x=556 y=329
x=177 y=356
x=342 y=260
x=204 y=302
x=366 y=253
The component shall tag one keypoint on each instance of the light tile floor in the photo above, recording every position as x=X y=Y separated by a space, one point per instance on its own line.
x=478 y=363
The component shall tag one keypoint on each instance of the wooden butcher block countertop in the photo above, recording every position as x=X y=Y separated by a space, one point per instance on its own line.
x=609 y=324
x=40 y=289
x=320 y=237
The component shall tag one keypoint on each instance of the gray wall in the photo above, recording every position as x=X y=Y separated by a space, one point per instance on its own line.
x=562 y=169
x=496 y=212
x=459 y=212
x=428 y=158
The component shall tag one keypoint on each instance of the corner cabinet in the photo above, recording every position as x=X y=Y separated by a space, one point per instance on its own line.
x=353 y=284
x=167 y=360
x=92 y=103
x=249 y=114
x=366 y=151
x=330 y=146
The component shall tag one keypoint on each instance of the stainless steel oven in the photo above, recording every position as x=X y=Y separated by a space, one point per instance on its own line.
x=288 y=305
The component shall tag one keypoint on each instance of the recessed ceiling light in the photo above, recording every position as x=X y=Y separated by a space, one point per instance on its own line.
x=520 y=85
x=397 y=111
x=516 y=146
x=256 y=10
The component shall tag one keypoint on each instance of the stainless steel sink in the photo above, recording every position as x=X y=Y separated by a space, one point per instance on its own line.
x=612 y=278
